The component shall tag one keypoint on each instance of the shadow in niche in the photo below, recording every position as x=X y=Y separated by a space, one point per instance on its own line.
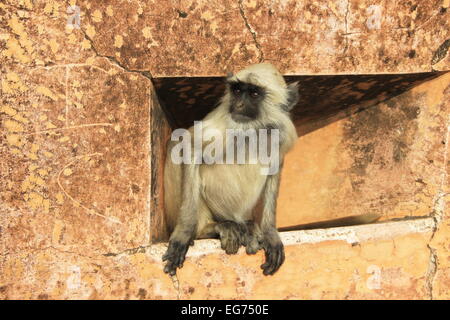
x=323 y=98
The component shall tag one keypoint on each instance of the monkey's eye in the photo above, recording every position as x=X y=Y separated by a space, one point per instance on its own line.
x=254 y=94
x=237 y=91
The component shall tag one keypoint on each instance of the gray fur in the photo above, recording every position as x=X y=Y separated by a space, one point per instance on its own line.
x=217 y=200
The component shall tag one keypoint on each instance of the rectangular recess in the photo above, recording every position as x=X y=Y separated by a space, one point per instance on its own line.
x=323 y=99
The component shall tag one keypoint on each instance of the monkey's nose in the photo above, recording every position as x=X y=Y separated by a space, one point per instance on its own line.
x=239 y=106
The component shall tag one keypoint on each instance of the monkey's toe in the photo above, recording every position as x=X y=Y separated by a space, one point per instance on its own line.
x=230 y=246
x=252 y=247
x=229 y=242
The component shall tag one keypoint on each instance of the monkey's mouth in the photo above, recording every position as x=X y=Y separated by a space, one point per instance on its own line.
x=239 y=117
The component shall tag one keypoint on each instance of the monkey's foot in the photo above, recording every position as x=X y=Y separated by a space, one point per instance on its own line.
x=252 y=245
x=175 y=255
x=232 y=235
x=274 y=253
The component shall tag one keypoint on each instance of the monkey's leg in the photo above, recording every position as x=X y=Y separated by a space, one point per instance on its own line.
x=186 y=225
x=252 y=238
x=271 y=242
x=206 y=228
x=232 y=235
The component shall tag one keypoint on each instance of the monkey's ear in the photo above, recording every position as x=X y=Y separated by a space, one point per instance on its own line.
x=292 y=96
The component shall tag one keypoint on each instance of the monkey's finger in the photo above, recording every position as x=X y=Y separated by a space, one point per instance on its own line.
x=170 y=251
x=282 y=257
x=271 y=260
x=175 y=256
x=278 y=261
x=170 y=269
x=179 y=258
x=266 y=262
x=173 y=271
x=268 y=256
x=166 y=256
x=167 y=268
x=270 y=267
x=172 y=265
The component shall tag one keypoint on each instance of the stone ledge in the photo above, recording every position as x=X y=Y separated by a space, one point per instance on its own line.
x=390 y=260
x=351 y=235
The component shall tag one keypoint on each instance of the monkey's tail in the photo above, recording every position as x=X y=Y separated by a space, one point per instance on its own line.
x=339 y=222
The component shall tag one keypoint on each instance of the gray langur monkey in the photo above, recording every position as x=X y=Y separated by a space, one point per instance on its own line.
x=217 y=200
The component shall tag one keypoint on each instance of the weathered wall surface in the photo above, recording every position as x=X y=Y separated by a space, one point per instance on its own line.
x=75 y=183
x=352 y=263
x=74 y=144
x=213 y=37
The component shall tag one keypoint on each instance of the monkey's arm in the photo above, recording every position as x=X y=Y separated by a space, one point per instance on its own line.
x=271 y=242
x=186 y=225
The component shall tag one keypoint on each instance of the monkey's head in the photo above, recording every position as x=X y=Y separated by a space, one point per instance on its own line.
x=258 y=93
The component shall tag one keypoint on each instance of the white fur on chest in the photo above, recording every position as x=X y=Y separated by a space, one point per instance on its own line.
x=238 y=192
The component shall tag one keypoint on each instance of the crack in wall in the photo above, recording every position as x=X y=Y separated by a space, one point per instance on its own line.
x=76 y=202
x=431 y=272
x=146 y=249
x=427 y=21
x=34 y=250
x=176 y=285
x=131 y=251
x=346 y=26
x=147 y=74
x=251 y=30
x=438 y=215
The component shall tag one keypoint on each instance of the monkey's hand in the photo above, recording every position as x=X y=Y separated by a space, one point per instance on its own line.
x=175 y=255
x=274 y=252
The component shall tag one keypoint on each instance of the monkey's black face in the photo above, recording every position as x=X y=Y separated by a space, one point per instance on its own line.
x=246 y=100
